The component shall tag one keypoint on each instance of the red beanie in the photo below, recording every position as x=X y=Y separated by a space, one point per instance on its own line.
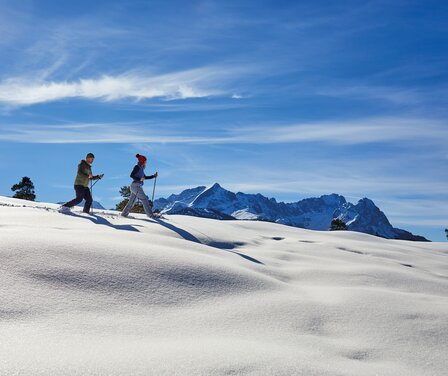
x=141 y=158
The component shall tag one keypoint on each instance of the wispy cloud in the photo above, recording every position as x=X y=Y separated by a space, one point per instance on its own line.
x=395 y=95
x=428 y=211
x=350 y=132
x=354 y=131
x=350 y=184
x=194 y=83
x=94 y=133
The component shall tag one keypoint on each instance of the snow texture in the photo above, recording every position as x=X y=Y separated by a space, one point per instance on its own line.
x=95 y=204
x=106 y=295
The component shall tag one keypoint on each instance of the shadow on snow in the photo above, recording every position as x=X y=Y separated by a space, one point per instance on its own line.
x=228 y=247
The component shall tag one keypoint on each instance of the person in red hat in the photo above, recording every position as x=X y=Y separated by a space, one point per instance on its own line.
x=138 y=176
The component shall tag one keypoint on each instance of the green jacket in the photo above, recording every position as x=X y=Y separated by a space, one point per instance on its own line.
x=82 y=177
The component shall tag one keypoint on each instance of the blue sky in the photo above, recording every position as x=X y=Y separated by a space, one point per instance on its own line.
x=291 y=99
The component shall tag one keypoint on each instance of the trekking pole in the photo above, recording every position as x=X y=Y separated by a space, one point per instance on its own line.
x=95 y=182
x=153 y=190
x=92 y=184
x=91 y=193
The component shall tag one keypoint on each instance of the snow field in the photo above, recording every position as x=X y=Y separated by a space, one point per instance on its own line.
x=105 y=295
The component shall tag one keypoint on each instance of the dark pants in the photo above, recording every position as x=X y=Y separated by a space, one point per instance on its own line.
x=81 y=193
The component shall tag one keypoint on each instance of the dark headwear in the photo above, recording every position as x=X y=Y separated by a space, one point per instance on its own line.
x=90 y=155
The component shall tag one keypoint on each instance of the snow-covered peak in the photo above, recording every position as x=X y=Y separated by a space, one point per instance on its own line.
x=182 y=199
x=333 y=199
x=367 y=203
x=215 y=196
x=187 y=194
x=313 y=213
x=216 y=186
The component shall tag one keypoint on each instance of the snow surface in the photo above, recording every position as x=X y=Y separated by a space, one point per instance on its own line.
x=106 y=295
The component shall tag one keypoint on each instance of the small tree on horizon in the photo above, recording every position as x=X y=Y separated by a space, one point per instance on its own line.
x=24 y=190
x=125 y=192
x=446 y=233
x=338 y=225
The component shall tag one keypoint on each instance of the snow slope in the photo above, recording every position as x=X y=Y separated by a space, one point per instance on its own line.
x=105 y=295
x=95 y=204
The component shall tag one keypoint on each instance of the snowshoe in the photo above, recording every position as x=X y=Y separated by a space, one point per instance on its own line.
x=64 y=210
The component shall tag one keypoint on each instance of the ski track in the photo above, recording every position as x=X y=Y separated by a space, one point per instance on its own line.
x=107 y=295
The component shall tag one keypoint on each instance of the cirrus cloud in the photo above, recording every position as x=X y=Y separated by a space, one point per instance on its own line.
x=423 y=131
x=193 y=83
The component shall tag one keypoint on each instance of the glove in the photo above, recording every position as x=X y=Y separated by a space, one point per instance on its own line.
x=100 y=176
x=156 y=174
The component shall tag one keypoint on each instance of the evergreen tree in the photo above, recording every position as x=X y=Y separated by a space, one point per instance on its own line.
x=125 y=192
x=446 y=233
x=338 y=225
x=24 y=190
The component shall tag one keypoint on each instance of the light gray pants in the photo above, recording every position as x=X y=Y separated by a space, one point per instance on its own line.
x=137 y=193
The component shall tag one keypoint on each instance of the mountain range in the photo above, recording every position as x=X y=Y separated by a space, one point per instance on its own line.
x=314 y=213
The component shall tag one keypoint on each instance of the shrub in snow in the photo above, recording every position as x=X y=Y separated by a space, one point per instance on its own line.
x=125 y=192
x=24 y=190
x=338 y=225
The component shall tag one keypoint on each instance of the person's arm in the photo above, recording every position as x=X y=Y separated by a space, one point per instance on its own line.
x=134 y=172
x=151 y=176
x=97 y=177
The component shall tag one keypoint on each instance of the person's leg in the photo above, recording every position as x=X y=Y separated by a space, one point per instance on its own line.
x=88 y=200
x=127 y=209
x=130 y=204
x=79 y=189
x=145 y=201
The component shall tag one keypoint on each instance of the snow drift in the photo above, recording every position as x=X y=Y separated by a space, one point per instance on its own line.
x=105 y=295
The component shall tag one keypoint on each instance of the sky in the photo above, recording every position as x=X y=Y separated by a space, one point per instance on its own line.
x=291 y=99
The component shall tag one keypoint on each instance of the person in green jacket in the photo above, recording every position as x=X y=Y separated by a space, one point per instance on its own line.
x=83 y=177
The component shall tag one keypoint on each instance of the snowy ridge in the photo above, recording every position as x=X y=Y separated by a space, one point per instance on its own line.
x=311 y=213
x=102 y=294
